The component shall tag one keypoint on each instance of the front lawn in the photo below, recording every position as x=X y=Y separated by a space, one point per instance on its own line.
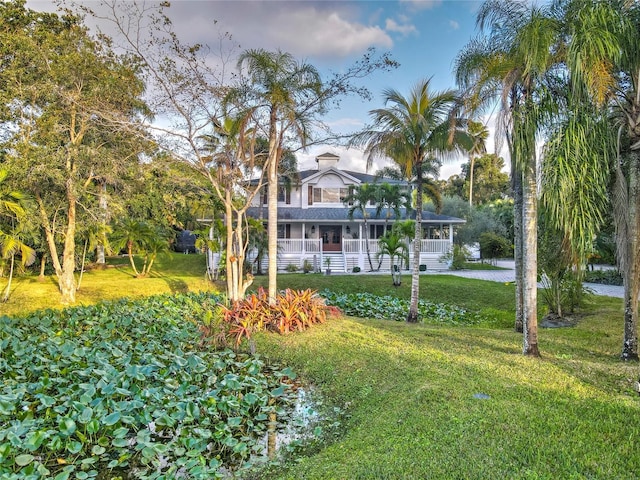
x=463 y=403
x=412 y=401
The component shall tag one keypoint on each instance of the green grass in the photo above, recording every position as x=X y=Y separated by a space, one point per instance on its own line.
x=408 y=391
x=171 y=273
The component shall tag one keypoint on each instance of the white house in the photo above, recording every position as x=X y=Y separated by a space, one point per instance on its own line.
x=314 y=223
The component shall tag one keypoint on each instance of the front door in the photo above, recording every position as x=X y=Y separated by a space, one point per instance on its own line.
x=331 y=236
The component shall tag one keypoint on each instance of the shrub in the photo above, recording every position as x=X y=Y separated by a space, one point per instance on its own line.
x=604 y=277
x=292 y=310
x=355 y=269
x=494 y=246
x=291 y=268
x=457 y=257
x=120 y=389
x=307 y=266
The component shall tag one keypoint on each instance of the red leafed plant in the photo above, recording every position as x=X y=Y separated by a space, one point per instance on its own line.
x=293 y=310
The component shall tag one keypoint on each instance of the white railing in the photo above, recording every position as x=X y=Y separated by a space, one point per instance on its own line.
x=435 y=246
x=296 y=245
x=426 y=246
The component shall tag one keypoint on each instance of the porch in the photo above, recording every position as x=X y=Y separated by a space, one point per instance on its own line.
x=350 y=253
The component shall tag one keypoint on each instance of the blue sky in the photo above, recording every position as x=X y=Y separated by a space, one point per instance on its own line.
x=423 y=36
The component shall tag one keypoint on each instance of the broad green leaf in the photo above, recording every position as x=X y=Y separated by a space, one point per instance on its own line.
x=67 y=427
x=86 y=415
x=111 y=419
x=24 y=459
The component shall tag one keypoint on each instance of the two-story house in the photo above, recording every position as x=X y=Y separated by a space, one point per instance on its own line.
x=314 y=223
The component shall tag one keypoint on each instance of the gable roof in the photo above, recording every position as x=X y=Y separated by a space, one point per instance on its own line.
x=359 y=176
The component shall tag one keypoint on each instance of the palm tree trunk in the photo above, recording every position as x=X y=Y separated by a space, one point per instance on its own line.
x=517 y=240
x=530 y=259
x=43 y=265
x=471 y=162
x=7 y=290
x=272 y=215
x=366 y=239
x=412 y=317
x=131 y=261
x=631 y=263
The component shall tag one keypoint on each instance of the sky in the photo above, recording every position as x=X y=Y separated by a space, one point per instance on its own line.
x=424 y=36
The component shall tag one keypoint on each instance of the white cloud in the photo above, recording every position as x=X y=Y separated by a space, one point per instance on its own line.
x=421 y=4
x=454 y=25
x=314 y=32
x=318 y=29
x=405 y=29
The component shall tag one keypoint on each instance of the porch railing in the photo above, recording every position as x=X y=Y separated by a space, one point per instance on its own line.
x=298 y=245
x=291 y=245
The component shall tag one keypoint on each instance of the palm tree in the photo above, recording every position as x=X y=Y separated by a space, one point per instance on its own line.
x=357 y=201
x=600 y=135
x=411 y=131
x=132 y=235
x=12 y=209
x=278 y=94
x=510 y=64
x=393 y=243
x=479 y=134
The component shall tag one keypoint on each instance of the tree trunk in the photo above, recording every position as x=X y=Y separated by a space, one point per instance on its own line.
x=366 y=239
x=517 y=240
x=43 y=265
x=272 y=217
x=530 y=259
x=67 y=280
x=232 y=285
x=7 y=290
x=131 y=260
x=412 y=317
x=471 y=162
x=631 y=264
x=104 y=217
x=84 y=256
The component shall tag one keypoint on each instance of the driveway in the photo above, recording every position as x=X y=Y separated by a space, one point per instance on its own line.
x=508 y=275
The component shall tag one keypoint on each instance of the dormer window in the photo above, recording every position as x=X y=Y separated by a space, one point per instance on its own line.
x=330 y=195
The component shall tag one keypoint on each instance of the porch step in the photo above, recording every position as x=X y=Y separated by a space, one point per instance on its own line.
x=337 y=262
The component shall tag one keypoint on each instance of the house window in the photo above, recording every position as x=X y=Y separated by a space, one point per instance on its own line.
x=376 y=231
x=330 y=195
x=284 y=230
x=284 y=194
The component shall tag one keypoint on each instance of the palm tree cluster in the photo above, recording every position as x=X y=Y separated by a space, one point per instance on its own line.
x=565 y=74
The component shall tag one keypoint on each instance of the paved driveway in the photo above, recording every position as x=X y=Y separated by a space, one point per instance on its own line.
x=508 y=275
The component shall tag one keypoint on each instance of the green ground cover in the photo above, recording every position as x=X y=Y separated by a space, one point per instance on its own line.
x=440 y=401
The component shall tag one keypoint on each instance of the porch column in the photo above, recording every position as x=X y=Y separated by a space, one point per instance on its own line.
x=304 y=238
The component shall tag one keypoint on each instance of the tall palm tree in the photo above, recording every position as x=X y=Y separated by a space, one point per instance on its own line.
x=357 y=201
x=510 y=63
x=412 y=130
x=479 y=134
x=278 y=97
x=600 y=134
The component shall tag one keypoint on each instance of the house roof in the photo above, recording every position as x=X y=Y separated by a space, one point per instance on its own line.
x=361 y=177
x=328 y=214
